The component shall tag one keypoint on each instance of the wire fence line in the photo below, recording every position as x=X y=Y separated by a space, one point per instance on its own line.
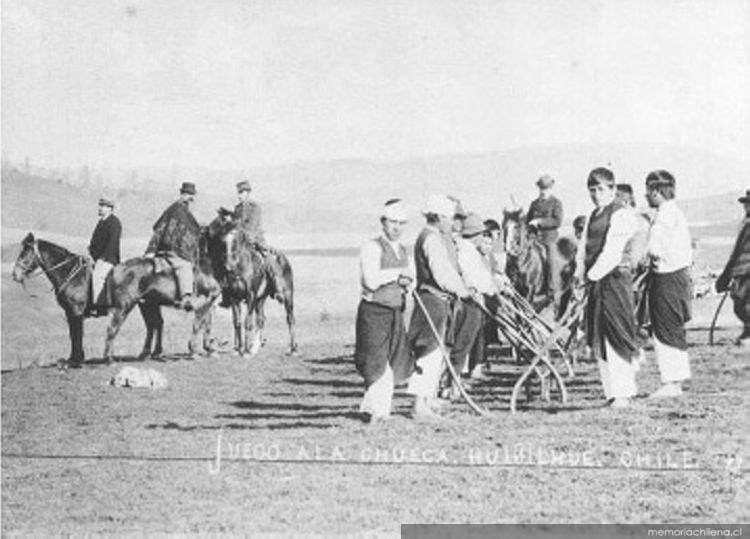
x=378 y=463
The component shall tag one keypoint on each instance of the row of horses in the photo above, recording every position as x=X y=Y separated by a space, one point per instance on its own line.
x=228 y=263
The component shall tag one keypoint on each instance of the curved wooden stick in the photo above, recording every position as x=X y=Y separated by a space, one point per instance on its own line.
x=716 y=316
x=446 y=358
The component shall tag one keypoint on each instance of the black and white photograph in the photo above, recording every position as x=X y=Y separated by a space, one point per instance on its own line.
x=398 y=268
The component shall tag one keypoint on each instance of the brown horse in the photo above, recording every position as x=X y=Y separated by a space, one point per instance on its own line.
x=150 y=283
x=527 y=263
x=246 y=277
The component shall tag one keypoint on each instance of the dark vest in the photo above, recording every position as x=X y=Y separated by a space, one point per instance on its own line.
x=424 y=273
x=390 y=294
x=598 y=227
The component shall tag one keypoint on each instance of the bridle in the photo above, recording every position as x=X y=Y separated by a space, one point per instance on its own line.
x=28 y=272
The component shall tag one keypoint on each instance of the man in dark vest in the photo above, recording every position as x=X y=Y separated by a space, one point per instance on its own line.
x=104 y=248
x=439 y=287
x=602 y=263
x=736 y=274
x=177 y=238
x=545 y=215
x=247 y=215
x=381 y=354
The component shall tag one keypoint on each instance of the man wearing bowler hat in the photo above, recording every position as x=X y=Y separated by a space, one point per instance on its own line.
x=177 y=237
x=104 y=248
x=545 y=216
x=736 y=274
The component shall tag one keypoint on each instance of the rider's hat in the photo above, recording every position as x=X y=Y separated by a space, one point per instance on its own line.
x=545 y=182
x=104 y=201
x=745 y=199
x=188 y=188
x=243 y=186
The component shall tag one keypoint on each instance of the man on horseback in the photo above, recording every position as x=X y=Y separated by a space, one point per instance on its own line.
x=736 y=274
x=104 y=248
x=247 y=215
x=545 y=216
x=177 y=237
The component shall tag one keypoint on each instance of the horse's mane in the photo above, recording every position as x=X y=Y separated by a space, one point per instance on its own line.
x=57 y=250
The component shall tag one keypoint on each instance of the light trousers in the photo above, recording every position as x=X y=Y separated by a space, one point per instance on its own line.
x=618 y=374
x=379 y=396
x=673 y=363
x=425 y=384
x=99 y=277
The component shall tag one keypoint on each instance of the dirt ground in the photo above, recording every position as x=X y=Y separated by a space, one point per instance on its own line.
x=80 y=456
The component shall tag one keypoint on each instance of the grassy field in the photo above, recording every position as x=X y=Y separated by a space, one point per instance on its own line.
x=297 y=458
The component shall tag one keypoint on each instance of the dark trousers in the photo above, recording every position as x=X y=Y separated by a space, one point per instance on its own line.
x=468 y=326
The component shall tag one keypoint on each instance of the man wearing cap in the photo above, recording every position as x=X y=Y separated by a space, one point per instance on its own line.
x=545 y=215
x=177 y=236
x=247 y=215
x=736 y=274
x=439 y=285
x=602 y=262
x=104 y=248
x=670 y=288
x=381 y=354
x=472 y=248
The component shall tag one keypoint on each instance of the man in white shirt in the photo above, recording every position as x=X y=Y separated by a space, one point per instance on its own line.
x=478 y=279
x=439 y=286
x=670 y=292
x=602 y=260
x=381 y=353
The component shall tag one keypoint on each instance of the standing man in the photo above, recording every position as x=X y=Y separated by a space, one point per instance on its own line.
x=104 y=248
x=177 y=236
x=671 y=253
x=604 y=265
x=381 y=354
x=545 y=215
x=247 y=215
x=439 y=286
x=736 y=274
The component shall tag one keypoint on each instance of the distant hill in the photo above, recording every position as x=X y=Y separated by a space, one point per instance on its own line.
x=345 y=196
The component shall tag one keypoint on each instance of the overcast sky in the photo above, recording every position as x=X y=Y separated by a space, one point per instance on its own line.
x=239 y=83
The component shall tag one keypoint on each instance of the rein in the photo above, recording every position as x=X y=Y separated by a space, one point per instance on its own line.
x=80 y=263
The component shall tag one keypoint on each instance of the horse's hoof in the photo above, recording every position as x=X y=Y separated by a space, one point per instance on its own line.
x=62 y=364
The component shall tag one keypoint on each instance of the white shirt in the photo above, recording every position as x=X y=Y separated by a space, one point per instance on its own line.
x=373 y=276
x=623 y=225
x=669 y=243
x=474 y=269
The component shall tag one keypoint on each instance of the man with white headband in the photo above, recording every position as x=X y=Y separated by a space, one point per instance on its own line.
x=381 y=354
x=439 y=286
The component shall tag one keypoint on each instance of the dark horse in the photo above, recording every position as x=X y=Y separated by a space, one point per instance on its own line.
x=527 y=263
x=133 y=282
x=150 y=283
x=246 y=277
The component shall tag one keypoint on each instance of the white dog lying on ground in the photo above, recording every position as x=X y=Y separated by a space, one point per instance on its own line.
x=136 y=378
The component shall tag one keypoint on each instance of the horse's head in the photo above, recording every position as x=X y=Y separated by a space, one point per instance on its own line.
x=28 y=261
x=514 y=231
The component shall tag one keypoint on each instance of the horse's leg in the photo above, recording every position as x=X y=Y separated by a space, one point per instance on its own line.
x=159 y=331
x=252 y=342
x=119 y=314
x=290 y=322
x=260 y=319
x=237 y=323
x=75 y=330
x=148 y=318
x=202 y=313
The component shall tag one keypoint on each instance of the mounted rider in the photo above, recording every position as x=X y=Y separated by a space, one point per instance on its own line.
x=545 y=216
x=736 y=274
x=247 y=217
x=104 y=249
x=177 y=238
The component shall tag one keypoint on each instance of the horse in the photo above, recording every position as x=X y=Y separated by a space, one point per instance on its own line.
x=70 y=275
x=133 y=282
x=739 y=291
x=148 y=282
x=527 y=263
x=247 y=279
